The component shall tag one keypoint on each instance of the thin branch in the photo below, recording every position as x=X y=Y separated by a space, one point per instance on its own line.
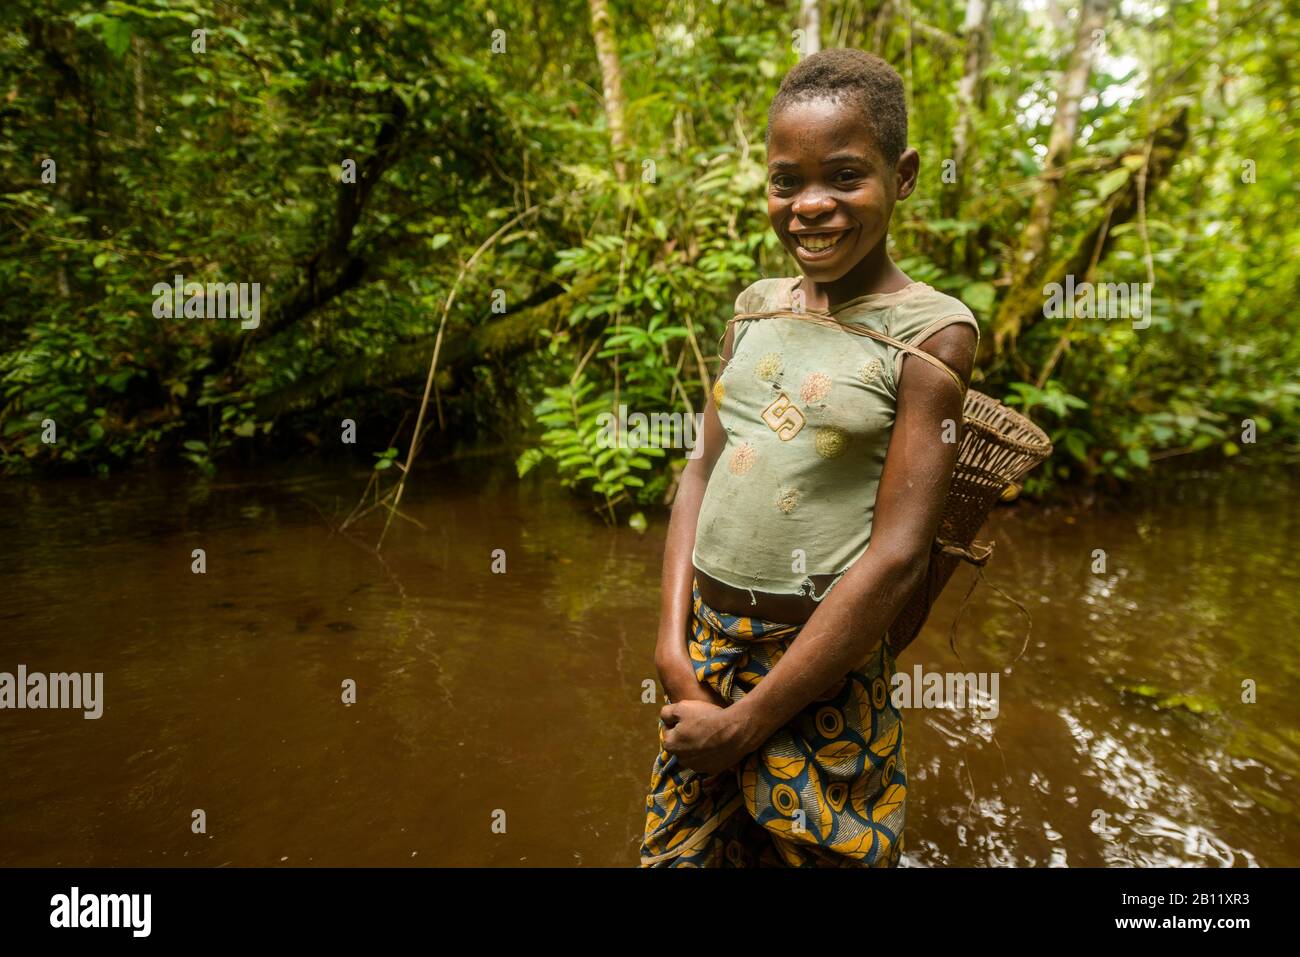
x=433 y=363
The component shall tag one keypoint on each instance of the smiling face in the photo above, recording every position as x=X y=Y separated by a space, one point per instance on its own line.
x=831 y=191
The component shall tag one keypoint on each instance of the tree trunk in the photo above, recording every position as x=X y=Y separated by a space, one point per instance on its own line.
x=336 y=266
x=1026 y=262
x=499 y=340
x=611 y=76
x=974 y=31
x=880 y=27
x=810 y=22
x=138 y=54
x=1024 y=305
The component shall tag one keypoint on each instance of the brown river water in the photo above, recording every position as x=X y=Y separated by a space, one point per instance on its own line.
x=1121 y=737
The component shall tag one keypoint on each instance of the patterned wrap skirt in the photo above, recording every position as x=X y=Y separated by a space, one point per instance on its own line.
x=827 y=790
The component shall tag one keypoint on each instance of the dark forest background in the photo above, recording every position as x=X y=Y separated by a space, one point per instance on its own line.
x=563 y=200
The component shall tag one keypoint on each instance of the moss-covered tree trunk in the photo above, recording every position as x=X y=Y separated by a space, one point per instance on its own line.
x=611 y=77
x=1026 y=266
x=974 y=32
x=1023 y=304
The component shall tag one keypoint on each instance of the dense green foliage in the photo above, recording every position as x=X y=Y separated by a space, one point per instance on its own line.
x=225 y=166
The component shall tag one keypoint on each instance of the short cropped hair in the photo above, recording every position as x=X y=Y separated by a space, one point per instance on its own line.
x=865 y=81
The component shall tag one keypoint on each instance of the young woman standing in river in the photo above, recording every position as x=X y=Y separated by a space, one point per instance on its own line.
x=780 y=744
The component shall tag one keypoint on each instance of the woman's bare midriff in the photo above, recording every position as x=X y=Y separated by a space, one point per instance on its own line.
x=782 y=609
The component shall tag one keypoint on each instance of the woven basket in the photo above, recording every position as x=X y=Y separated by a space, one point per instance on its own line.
x=999 y=447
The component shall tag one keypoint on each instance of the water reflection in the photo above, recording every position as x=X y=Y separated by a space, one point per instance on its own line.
x=1149 y=721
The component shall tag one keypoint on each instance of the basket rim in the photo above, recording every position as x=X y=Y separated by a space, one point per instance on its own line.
x=1036 y=445
x=1036 y=440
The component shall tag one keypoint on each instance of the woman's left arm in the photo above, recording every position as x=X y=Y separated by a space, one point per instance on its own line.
x=852 y=620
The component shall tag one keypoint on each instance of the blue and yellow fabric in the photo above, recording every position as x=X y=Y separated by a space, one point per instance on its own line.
x=829 y=789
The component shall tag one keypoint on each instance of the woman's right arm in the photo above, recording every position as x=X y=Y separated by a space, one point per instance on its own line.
x=676 y=672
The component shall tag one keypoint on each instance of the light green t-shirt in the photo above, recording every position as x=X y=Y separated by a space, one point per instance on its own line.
x=808 y=412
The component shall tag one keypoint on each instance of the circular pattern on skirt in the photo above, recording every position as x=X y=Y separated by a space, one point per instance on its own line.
x=879 y=693
x=837 y=796
x=787 y=500
x=736 y=852
x=830 y=722
x=784 y=799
